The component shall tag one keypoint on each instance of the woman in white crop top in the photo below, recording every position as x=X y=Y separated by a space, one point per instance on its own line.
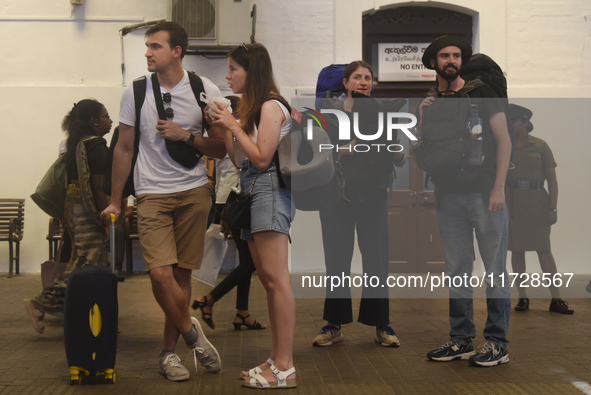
x=252 y=143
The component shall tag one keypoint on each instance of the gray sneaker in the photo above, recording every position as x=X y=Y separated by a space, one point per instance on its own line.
x=173 y=369
x=204 y=351
x=329 y=334
x=489 y=354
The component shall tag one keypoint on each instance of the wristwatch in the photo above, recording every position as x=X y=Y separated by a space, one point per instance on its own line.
x=191 y=138
x=553 y=210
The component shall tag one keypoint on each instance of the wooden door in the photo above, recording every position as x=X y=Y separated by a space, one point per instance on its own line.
x=415 y=245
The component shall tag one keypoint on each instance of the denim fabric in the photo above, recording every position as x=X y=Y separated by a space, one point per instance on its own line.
x=458 y=217
x=271 y=207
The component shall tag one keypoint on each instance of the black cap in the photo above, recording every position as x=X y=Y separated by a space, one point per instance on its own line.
x=516 y=111
x=446 y=41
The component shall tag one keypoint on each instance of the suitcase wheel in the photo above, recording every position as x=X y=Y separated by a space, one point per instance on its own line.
x=110 y=376
x=75 y=379
x=76 y=375
x=111 y=380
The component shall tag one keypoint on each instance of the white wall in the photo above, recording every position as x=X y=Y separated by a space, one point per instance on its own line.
x=54 y=57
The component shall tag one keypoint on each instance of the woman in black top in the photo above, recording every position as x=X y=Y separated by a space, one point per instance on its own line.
x=362 y=210
x=86 y=124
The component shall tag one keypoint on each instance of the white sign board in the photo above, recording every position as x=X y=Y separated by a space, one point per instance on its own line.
x=402 y=62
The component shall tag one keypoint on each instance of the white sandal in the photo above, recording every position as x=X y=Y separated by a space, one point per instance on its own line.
x=256 y=370
x=281 y=377
x=33 y=312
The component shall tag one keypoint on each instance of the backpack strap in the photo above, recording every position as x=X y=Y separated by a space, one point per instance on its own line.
x=468 y=87
x=257 y=121
x=197 y=87
x=471 y=85
x=139 y=95
x=257 y=118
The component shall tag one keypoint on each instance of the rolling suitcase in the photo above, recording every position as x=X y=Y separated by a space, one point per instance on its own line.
x=91 y=311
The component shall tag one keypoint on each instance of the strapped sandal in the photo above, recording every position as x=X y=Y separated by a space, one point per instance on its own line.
x=206 y=317
x=256 y=370
x=33 y=312
x=281 y=376
x=238 y=326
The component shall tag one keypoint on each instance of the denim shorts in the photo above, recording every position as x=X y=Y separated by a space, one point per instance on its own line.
x=271 y=207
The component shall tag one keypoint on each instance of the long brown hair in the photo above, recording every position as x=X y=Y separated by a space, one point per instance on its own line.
x=260 y=84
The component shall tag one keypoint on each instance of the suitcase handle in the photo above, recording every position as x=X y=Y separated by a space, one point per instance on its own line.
x=112 y=242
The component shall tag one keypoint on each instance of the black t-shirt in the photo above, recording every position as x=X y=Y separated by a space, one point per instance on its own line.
x=487 y=107
x=359 y=164
x=97 y=153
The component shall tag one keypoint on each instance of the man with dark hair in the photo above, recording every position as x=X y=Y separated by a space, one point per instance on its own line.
x=177 y=36
x=472 y=205
x=174 y=199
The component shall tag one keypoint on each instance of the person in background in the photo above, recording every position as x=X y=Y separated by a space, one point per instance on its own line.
x=252 y=145
x=86 y=124
x=534 y=210
x=227 y=175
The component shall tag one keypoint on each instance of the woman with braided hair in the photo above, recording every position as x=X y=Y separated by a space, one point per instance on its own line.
x=86 y=124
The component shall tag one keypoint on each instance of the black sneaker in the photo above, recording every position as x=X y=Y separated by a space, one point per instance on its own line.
x=450 y=351
x=522 y=305
x=489 y=354
x=560 y=306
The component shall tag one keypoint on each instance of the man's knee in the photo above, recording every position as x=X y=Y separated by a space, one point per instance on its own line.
x=160 y=276
x=182 y=276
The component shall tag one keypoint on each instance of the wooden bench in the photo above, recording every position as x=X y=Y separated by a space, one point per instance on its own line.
x=131 y=234
x=12 y=225
x=54 y=236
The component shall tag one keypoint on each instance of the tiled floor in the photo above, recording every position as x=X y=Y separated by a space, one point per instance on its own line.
x=550 y=353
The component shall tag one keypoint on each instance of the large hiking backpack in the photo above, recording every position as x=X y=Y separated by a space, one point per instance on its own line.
x=330 y=83
x=482 y=67
x=446 y=150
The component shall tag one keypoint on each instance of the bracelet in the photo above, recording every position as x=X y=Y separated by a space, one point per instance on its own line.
x=236 y=134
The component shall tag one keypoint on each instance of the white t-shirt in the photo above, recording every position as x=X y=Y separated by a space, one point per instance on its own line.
x=240 y=156
x=226 y=177
x=155 y=171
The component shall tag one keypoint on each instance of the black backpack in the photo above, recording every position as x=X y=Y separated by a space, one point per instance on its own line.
x=482 y=67
x=488 y=71
x=179 y=151
x=372 y=169
x=447 y=153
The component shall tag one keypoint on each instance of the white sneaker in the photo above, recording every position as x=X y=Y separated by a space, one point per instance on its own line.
x=204 y=351
x=171 y=366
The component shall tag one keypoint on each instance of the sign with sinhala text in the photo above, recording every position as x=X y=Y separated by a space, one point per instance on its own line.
x=402 y=62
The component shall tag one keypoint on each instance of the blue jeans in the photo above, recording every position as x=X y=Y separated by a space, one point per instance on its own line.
x=458 y=217
x=271 y=207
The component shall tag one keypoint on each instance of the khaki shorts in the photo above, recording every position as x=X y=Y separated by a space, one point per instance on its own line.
x=172 y=227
